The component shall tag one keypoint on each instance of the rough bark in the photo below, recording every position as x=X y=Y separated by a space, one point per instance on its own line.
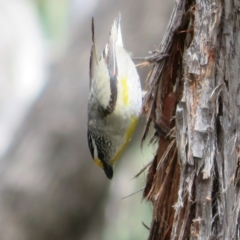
x=193 y=101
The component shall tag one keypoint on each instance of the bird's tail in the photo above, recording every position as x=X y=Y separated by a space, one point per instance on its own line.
x=115 y=34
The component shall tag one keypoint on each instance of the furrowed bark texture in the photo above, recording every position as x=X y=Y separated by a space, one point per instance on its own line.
x=193 y=101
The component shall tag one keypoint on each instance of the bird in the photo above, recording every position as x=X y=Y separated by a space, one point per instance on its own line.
x=115 y=100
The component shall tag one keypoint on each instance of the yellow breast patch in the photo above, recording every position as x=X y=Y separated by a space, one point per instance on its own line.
x=130 y=131
x=125 y=91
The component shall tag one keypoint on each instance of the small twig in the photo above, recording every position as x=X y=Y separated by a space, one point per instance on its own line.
x=153 y=58
x=142 y=170
x=133 y=193
x=147 y=227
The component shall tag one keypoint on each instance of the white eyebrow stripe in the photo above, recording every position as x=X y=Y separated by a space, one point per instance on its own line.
x=95 y=151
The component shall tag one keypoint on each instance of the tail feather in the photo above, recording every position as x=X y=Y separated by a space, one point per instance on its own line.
x=119 y=33
x=115 y=34
x=93 y=56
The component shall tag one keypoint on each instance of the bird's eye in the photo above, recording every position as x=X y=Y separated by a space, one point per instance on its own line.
x=101 y=155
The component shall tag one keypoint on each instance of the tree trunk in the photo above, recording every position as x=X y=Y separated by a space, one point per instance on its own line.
x=193 y=102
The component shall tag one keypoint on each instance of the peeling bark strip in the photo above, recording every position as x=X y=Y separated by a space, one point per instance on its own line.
x=164 y=91
x=193 y=100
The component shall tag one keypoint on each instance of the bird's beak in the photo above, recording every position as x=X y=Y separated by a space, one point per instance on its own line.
x=108 y=170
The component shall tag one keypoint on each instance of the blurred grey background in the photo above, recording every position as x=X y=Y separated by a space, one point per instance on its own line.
x=49 y=186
